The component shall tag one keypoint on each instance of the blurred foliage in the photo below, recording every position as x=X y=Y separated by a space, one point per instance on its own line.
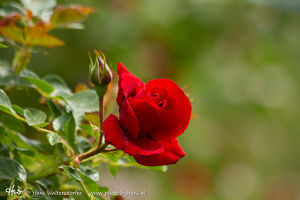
x=238 y=60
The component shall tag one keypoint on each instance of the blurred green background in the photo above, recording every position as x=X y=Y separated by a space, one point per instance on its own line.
x=238 y=61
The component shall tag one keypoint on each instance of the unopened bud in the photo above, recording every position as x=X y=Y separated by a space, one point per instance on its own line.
x=100 y=74
x=76 y=162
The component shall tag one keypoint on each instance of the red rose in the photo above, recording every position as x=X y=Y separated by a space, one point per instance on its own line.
x=151 y=116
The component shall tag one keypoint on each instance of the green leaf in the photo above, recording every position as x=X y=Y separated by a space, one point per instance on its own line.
x=43 y=124
x=12 y=123
x=86 y=101
x=71 y=172
x=53 y=138
x=9 y=78
x=83 y=102
x=37 y=35
x=19 y=110
x=59 y=122
x=31 y=142
x=14 y=33
x=13 y=80
x=114 y=169
x=91 y=173
x=4 y=64
x=11 y=169
x=78 y=117
x=70 y=129
x=93 y=119
x=2 y=131
x=4 y=150
x=66 y=123
x=38 y=83
x=83 y=196
x=39 y=6
x=38 y=197
x=41 y=85
x=63 y=16
x=24 y=151
x=91 y=185
x=3 y=185
x=10 y=6
x=5 y=69
x=80 y=176
x=60 y=87
x=34 y=116
x=83 y=144
x=2 y=45
x=5 y=104
x=89 y=130
x=29 y=73
x=54 y=109
x=21 y=143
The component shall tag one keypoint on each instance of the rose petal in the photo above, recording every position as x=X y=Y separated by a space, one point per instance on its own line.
x=147 y=115
x=116 y=136
x=175 y=119
x=129 y=85
x=128 y=119
x=122 y=69
x=171 y=154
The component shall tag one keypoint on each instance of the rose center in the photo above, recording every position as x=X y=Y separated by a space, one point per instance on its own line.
x=159 y=96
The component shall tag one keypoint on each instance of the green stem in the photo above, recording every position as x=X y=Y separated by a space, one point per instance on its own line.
x=91 y=153
x=99 y=148
x=21 y=58
x=110 y=150
x=101 y=119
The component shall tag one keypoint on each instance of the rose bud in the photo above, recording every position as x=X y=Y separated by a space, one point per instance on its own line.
x=151 y=117
x=100 y=74
x=76 y=162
